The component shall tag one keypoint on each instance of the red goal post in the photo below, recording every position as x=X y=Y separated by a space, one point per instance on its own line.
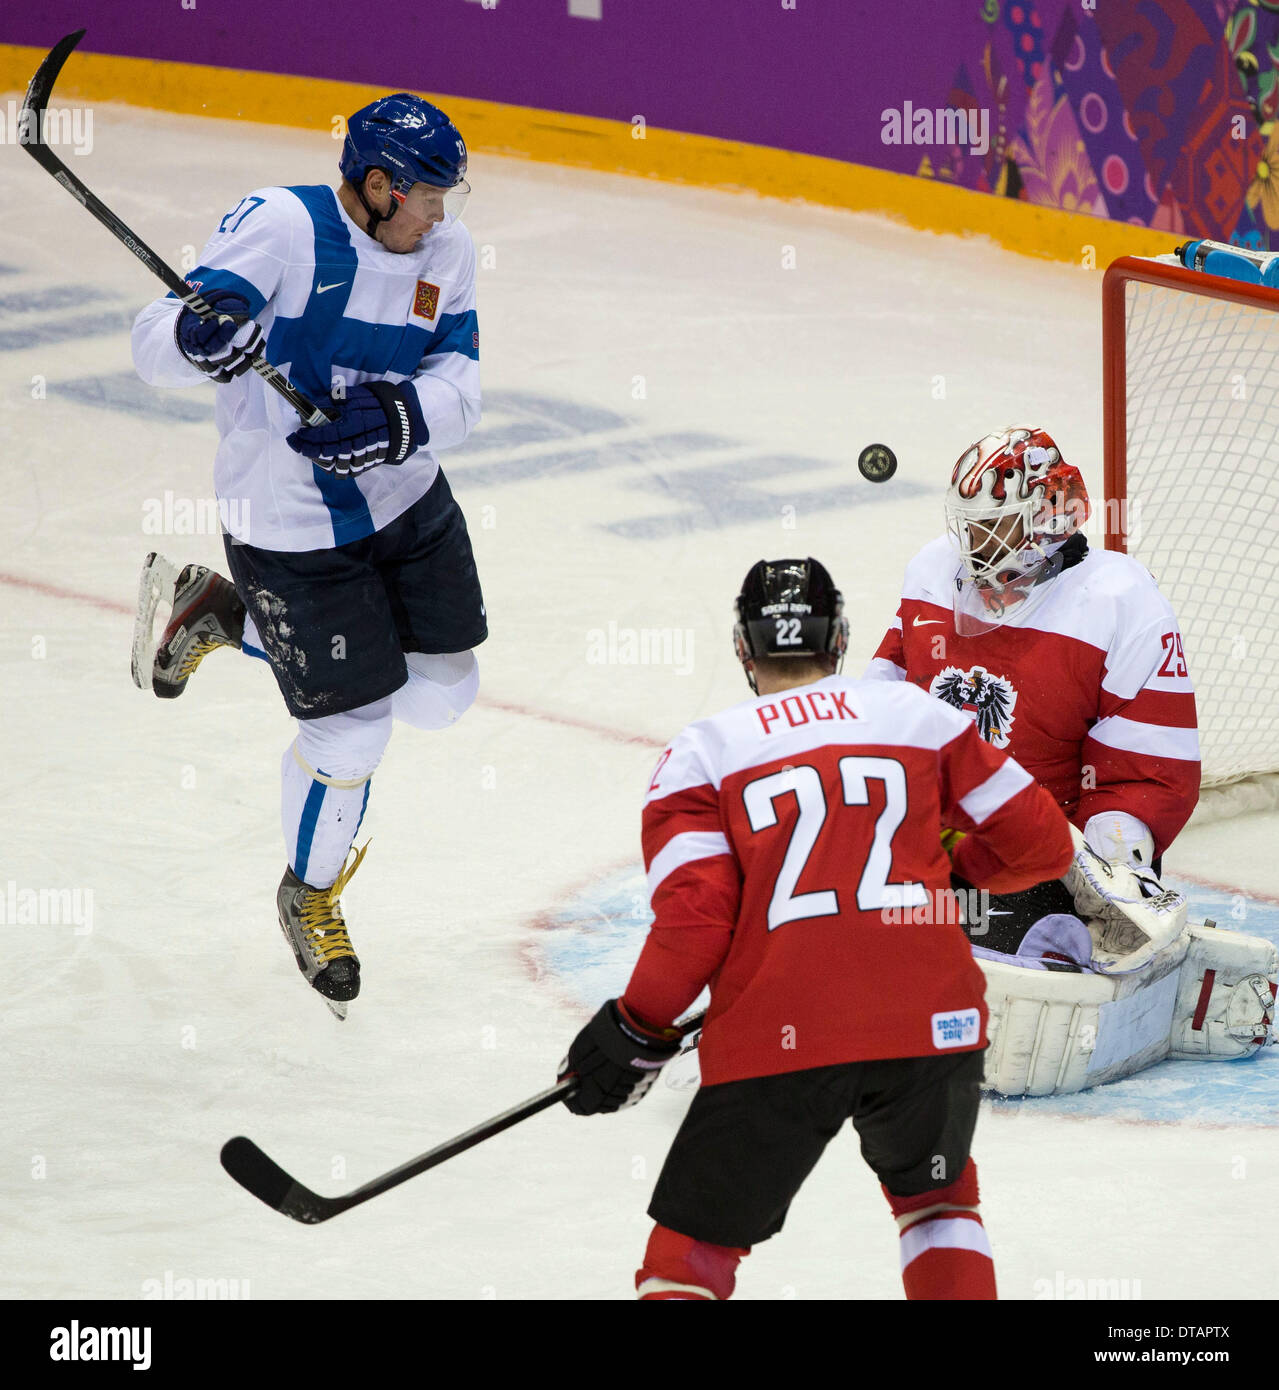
x=1191 y=429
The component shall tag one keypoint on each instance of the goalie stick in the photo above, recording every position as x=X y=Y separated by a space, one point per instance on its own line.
x=261 y=1175
x=30 y=137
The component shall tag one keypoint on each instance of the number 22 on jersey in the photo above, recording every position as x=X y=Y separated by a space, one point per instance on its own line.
x=804 y=783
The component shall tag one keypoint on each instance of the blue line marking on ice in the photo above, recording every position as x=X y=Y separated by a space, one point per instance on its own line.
x=130 y=394
x=597 y=936
x=48 y=297
x=44 y=332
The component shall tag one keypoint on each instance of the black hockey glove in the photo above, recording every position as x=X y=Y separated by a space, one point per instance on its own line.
x=222 y=347
x=616 y=1060
x=377 y=423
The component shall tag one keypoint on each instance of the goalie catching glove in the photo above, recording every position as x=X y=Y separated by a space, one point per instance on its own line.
x=616 y=1059
x=1131 y=915
x=376 y=423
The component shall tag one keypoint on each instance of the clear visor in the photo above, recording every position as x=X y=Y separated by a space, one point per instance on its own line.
x=427 y=203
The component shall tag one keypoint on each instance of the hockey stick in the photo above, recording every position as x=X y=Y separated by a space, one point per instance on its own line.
x=30 y=137
x=259 y=1174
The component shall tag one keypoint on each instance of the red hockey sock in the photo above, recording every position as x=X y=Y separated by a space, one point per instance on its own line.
x=679 y=1267
x=945 y=1253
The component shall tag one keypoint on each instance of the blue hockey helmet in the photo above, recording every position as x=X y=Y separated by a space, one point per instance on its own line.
x=413 y=141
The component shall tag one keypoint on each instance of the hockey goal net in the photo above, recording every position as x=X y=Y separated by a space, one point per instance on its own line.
x=1192 y=491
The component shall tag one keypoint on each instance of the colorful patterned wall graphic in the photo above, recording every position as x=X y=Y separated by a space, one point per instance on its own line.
x=1155 y=112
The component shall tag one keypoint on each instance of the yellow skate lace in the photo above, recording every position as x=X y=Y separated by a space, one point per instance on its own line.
x=197 y=654
x=321 y=915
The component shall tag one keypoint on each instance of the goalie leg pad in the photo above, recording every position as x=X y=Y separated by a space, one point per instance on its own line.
x=1209 y=995
x=1226 y=995
x=1058 y=1032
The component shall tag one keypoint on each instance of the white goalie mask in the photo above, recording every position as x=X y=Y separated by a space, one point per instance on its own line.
x=1013 y=502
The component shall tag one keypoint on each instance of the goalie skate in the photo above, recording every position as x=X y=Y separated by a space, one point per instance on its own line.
x=203 y=613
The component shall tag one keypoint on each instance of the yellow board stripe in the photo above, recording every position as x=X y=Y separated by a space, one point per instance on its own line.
x=613 y=147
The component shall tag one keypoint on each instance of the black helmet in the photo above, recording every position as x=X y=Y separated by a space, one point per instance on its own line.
x=789 y=608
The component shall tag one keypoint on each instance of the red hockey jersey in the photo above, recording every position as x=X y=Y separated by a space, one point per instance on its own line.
x=792 y=845
x=1092 y=696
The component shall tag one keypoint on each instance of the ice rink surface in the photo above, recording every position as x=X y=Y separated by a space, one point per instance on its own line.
x=677 y=382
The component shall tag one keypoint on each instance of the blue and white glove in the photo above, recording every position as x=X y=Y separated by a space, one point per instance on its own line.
x=222 y=347
x=376 y=423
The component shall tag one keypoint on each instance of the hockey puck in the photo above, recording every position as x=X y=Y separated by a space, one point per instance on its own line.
x=877 y=462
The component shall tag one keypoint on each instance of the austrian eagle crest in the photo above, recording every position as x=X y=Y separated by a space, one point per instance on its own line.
x=988 y=698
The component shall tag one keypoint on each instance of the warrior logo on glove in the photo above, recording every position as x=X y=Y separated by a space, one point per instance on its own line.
x=376 y=423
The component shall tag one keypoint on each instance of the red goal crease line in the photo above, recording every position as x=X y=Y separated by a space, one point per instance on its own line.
x=564 y=721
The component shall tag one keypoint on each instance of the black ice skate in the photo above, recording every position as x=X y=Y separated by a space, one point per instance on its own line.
x=312 y=922
x=205 y=612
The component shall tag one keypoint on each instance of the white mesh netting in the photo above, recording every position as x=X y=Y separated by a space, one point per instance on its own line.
x=1202 y=457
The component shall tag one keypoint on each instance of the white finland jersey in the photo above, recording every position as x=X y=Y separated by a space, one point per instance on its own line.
x=334 y=305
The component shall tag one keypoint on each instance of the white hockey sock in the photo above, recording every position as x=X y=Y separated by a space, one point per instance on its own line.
x=251 y=642
x=325 y=775
x=439 y=690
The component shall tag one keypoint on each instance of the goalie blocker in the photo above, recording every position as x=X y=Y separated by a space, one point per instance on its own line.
x=1157 y=989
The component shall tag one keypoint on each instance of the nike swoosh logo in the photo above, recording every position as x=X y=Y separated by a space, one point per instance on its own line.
x=923 y=622
x=320 y=289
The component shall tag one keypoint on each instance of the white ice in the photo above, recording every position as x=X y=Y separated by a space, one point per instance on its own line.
x=640 y=336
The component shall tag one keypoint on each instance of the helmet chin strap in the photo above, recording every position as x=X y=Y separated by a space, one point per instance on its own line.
x=375 y=218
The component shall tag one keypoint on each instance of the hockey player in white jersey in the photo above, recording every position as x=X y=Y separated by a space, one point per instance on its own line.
x=351 y=569
x=1072 y=660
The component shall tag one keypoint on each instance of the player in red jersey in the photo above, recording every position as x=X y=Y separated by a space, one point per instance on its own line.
x=1069 y=658
x=793 y=851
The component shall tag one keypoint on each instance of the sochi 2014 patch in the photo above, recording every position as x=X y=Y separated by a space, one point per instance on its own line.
x=426 y=300
x=962 y=1028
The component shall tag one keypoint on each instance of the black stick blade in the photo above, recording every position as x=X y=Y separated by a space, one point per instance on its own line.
x=269 y=1183
x=37 y=97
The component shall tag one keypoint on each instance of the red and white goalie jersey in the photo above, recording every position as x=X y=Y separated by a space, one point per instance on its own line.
x=1092 y=695
x=794 y=860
